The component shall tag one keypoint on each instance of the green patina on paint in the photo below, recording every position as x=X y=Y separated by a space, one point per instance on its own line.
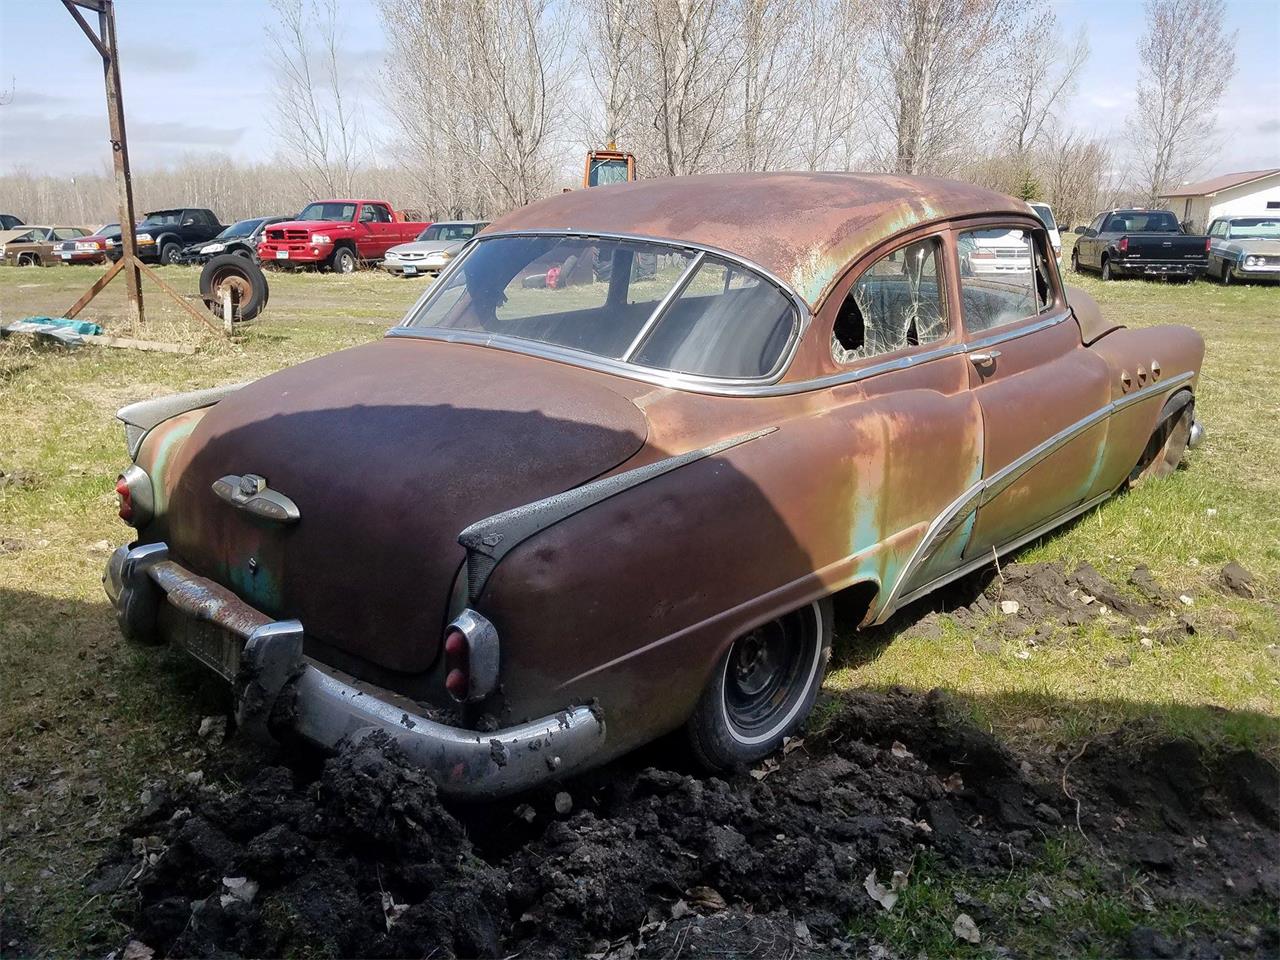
x=815 y=275
x=161 y=445
x=257 y=585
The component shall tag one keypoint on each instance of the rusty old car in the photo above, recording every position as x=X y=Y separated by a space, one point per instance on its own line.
x=604 y=480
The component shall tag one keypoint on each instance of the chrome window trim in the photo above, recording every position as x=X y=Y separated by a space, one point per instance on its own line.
x=982 y=492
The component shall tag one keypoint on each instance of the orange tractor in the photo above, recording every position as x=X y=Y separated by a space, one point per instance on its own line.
x=608 y=166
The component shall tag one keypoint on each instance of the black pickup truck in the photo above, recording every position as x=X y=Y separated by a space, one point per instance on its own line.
x=1144 y=243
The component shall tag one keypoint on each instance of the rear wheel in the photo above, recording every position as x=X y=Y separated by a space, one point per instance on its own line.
x=1106 y=269
x=343 y=261
x=762 y=689
x=1075 y=261
x=1226 y=274
x=1168 y=443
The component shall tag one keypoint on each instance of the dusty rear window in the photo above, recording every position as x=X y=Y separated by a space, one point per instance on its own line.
x=650 y=304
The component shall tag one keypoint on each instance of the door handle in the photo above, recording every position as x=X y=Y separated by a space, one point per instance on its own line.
x=984 y=357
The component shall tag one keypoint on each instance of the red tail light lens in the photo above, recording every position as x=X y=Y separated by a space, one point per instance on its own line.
x=457 y=667
x=1123 y=246
x=1207 y=243
x=126 y=499
x=137 y=502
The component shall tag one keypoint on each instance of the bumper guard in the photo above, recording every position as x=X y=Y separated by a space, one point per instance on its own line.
x=276 y=684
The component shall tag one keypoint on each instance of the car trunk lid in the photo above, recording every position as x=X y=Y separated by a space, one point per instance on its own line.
x=388 y=451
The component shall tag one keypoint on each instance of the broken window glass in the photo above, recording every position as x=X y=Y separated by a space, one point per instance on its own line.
x=898 y=302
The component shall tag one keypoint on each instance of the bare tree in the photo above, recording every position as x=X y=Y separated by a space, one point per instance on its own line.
x=685 y=66
x=829 y=90
x=1075 y=173
x=316 y=120
x=1187 y=60
x=609 y=49
x=939 y=63
x=478 y=89
x=769 y=112
x=1045 y=76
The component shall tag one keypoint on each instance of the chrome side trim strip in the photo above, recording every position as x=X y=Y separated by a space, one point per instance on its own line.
x=661 y=308
x=988 y=488
x=489 y=540
x=979 y=562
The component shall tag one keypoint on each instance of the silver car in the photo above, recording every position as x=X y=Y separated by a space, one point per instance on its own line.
x=434 y=248
x=1245 y=248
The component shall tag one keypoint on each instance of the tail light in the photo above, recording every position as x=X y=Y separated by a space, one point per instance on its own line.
x=1207 y=242
x=137 y=501
x=1123 y=245
x=470 y=657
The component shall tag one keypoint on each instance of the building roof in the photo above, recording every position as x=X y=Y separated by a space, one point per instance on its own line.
x=1207 y=188
x=801 y=227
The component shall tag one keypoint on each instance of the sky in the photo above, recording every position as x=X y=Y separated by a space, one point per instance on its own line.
x=197 y=77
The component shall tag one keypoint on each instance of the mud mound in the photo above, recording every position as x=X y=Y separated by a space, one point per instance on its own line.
x=364 y=860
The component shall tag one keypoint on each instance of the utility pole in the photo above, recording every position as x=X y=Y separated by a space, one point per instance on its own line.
x=104 y=41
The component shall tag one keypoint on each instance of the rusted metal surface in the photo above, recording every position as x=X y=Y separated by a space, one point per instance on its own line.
x=803 y=227
x=885 y=475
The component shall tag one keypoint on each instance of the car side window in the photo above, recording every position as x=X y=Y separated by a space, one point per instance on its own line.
x=1004 y=277
x=375 y=213
x=897 y=302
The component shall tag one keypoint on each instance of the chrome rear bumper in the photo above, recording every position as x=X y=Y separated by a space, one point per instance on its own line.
x=276 y=685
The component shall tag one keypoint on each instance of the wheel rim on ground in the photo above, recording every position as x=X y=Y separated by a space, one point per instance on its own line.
x=233 y=282
x=768 y=672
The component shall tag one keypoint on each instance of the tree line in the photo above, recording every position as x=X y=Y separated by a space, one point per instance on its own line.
x=492 y=103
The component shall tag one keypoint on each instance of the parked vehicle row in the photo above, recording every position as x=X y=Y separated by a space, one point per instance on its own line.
x=33 y=246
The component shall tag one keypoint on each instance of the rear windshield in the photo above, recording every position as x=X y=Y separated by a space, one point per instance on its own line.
x=1143 y=221
x=336 y=212
x=645 y=303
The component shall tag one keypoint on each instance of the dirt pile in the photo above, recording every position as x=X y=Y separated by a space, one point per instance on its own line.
x=363 y=859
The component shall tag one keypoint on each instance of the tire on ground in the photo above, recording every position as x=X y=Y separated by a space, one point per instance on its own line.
x=169 y=251
x=762 y=689
x=343 y=260
x=243 y=277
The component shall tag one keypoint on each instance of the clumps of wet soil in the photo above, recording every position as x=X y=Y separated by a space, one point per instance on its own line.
x=364 y=860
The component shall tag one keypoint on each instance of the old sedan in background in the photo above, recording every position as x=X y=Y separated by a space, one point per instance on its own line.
x=1245 y=248
x=30 y=246
x=433 y=249
x=94 y=248
x=540 y=524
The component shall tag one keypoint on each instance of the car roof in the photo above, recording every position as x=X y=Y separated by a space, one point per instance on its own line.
x=803 y=228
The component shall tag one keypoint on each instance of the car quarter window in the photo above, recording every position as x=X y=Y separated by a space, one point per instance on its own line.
x=897 y=302
x=1004 y=277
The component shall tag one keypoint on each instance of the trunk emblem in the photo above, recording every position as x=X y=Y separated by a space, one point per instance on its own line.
x=251 y=494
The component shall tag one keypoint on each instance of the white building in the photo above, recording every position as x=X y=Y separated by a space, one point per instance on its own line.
x=1232 y=194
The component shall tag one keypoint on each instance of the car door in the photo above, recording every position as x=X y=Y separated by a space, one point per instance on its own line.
x=1036 y=385
x=1218 y=232
x=910 y=427
x=381 y=230
x=1090 y=249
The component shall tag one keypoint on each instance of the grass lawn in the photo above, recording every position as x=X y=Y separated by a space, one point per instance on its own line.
x=87 y=723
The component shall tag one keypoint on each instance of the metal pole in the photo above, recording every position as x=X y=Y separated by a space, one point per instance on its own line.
x=120 y=160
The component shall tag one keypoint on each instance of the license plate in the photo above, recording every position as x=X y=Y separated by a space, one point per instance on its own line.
x=65 y=256
x=282 y=254
x=410 y=271
x=217 y=649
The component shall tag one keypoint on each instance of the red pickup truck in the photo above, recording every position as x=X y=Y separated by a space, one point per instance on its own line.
x=339 y=234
